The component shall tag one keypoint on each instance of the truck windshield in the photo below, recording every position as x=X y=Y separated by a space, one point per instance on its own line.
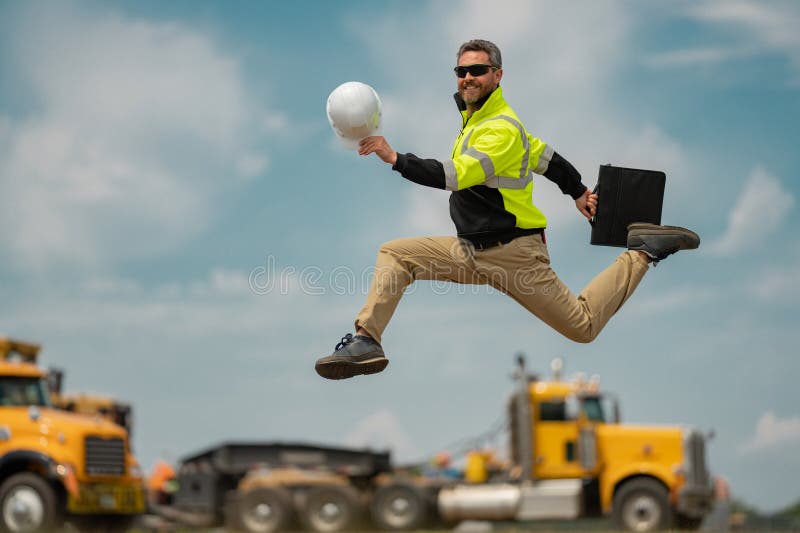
x=593 y=408
x=16 y=392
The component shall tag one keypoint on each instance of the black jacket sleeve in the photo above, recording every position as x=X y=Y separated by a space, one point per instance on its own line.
x=428 y=172
x=563 y=174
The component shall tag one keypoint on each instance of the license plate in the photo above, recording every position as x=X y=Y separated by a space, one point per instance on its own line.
x=108 y=501
x=107 y=498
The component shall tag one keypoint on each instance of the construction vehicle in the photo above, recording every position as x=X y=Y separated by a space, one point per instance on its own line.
x=570 y=457
x=573 y=458
x=110 y=408
x=264 y=487
x=56 y=466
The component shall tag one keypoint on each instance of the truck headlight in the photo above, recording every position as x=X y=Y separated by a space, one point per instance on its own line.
x=67 y=473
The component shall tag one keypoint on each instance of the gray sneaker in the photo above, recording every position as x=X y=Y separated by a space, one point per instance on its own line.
x=353 y=356
x=658 y=242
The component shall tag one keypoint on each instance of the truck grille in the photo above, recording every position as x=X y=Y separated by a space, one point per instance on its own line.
x=105 y=457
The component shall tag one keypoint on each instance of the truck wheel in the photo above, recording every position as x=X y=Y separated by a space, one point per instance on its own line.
x=265 y=510
x=641 y=505
x=27 y=504
x=330 y=508
x=399 y=507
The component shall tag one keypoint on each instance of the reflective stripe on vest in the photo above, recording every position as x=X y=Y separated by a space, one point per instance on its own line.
x=544 y=160
x=492 y=179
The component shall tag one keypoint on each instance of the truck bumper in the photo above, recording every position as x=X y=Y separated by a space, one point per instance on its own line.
x=695 y=501
x=107 y=498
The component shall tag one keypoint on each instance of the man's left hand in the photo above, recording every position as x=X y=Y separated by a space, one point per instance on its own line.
x=587 y=204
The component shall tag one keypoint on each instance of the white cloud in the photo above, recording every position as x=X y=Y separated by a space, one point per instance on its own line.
x=675 y=299
x=382 y=430
x=251 y=165
x=776 y=284
x=756 y=28
x=691 y=57
x=762 y=206
x=225 y=281
x=276 y=123
x=107 y=285
x=138 y=126
x=219 y=305
x=772 y=432
x=772 y=24
x=428 y=212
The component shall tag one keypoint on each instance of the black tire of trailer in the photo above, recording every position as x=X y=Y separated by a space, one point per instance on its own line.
x=263 y=510
x=400 y=507
x=652 y=499
x=44 y=494
x=331 y=508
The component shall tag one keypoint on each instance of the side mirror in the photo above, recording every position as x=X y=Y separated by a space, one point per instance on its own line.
x=55 y=379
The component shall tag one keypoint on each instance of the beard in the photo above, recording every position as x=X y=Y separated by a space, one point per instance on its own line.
x=474 y=92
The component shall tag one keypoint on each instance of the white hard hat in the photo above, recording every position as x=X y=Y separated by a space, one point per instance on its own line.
x=354 y=111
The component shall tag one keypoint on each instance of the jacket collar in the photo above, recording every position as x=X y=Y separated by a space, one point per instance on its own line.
x=492 y=103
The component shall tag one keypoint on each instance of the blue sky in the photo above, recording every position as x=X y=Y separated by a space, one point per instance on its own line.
x=156 y=158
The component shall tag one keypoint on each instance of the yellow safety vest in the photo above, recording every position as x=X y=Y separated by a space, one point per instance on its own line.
x=494 y=150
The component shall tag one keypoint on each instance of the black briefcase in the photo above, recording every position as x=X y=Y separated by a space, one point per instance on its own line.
x=625 y=195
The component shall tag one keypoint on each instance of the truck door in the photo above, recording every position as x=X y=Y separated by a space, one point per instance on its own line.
x=556 y=439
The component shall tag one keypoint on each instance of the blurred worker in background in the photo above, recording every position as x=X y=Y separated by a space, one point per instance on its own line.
x=161 y=484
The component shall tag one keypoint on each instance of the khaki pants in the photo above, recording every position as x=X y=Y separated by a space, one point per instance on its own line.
x=520 y=269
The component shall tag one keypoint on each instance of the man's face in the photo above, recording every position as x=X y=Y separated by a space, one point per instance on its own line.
x=473 y=88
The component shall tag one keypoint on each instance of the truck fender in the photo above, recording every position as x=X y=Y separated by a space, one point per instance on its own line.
x=28 y=460
x=610 y=483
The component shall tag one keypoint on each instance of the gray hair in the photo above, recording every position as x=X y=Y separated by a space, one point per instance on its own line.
x=479 y=45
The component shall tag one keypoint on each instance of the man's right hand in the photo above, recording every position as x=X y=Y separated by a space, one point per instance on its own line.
x=377 y=144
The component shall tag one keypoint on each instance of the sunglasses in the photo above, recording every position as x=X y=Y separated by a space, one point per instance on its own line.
x=474 y=70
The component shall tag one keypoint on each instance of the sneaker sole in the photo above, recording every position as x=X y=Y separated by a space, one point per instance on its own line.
x=349 y=369
x=641 y=229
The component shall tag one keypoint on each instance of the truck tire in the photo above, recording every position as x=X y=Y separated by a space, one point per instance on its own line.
x=330 y=508
x=641 y=504
x=399 y=507
x=28 y=504
x=265 y=510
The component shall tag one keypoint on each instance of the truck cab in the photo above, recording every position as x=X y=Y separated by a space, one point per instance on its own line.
x=644 y=477
x=57 y=466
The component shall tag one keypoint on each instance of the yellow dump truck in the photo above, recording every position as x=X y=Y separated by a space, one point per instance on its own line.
x=57 y=466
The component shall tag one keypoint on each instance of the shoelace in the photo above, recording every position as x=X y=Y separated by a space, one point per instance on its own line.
x=347 y=339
